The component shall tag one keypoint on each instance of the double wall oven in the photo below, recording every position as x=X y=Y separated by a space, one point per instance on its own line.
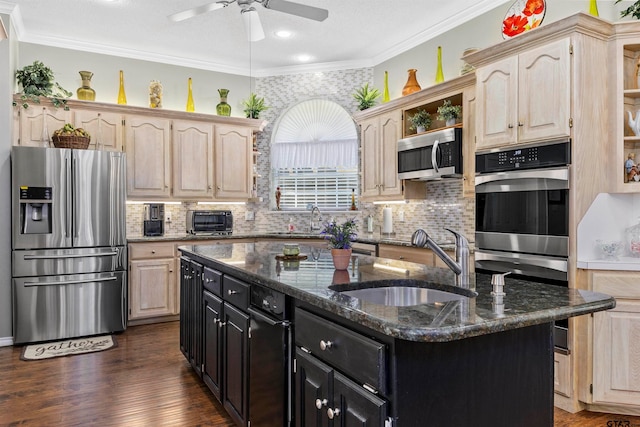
x=522 y=215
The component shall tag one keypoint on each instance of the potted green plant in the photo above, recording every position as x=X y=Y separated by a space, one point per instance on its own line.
x=36 y=81
x=340 y=238
x=449 y=113
x=366 y=97
x=420 y=121
x=254 y=106
x=633 y=10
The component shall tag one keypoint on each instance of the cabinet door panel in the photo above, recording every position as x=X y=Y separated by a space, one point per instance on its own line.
x=234 y=154
x=152 y=290
x=212 y=368
x=369 y=158
x=616 y=358
x=390 y=131
x=236 y=363
x=314 y=382
x=358 y=407
x=192 y=159
x=105 y=129
x=35 y=119
x=544 y=92
x=496 y=93
x=148 y=157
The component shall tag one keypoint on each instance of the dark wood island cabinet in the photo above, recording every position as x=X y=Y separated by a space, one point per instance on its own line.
x=462 y=360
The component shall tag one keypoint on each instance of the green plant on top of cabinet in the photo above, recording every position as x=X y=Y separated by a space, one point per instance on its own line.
x=525 y=97
x=430 y=107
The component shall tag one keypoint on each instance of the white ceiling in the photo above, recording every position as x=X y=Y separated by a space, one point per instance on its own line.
x=357 y=33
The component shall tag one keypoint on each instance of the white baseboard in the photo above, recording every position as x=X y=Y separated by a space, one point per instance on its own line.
x=6 y=341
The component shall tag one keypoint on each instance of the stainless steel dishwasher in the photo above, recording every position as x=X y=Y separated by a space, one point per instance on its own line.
x=270 y=370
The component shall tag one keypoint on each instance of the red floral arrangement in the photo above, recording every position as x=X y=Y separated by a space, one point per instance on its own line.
x=527 y=19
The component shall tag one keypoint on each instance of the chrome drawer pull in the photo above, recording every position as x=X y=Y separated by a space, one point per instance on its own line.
x=232 y=292
x=325 y=345
x=321 y=403
x=333 y=413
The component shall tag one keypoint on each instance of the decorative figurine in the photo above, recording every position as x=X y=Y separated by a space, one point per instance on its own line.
x=278 y=195
x=630 y=166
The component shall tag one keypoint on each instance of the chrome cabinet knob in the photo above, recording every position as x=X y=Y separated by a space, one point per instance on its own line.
x=520 y=124
x=232 y=292
x=510 y=126
x=153 y=252
x=325 y=345
x=321 y=403
x=333 y=413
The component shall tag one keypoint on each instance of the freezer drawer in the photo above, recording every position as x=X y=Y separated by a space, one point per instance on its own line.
x=57 y=307
x=50 y=262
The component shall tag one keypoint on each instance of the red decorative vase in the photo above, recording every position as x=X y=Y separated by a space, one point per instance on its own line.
x=341 y=258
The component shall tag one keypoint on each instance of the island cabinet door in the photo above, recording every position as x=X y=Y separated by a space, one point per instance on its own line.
x=195 y=323
x=355 y=406
x=313 y=391
x=212 y=368
x=236 y=363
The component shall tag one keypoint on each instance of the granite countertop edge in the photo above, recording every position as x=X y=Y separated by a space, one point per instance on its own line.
x=414 y=333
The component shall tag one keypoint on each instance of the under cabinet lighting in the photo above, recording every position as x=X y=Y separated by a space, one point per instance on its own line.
x=391 y=202
x=142 y=202
x=222 y=203
x=391 y=268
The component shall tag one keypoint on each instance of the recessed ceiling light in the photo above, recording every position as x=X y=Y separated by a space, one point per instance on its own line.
x=283 y=34
x=304 y=58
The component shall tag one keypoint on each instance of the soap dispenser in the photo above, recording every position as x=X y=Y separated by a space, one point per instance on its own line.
x=497 y=304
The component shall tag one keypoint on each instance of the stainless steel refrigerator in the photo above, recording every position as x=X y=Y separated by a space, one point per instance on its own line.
x=68 y=243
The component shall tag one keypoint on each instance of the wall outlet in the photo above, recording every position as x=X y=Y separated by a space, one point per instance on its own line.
x=250 y=216
x=167 y=217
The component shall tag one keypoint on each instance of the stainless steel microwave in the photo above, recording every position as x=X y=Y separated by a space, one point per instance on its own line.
x=431 y=155
x=210 y=222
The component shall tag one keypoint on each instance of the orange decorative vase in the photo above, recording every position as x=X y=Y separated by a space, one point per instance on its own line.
x=412 y=84
x=341 y=258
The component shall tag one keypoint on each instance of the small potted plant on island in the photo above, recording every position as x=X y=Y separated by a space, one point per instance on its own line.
x=36 y=81
x=340 y=238
x=254 y=106
x=449 y=113
x=420 y=121
x=366 y=97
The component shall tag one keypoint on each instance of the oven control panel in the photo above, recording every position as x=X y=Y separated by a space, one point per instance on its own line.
x=542 y=156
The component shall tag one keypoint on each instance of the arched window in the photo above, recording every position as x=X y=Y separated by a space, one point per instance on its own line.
x=314 y=156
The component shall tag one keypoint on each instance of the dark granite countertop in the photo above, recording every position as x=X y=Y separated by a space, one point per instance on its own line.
x=314 y=280
x=371 y=238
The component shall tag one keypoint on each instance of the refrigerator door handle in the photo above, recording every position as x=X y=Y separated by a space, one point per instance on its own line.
x=67 y=202
x=30 y=257
x=69 y=282
x=76 y=192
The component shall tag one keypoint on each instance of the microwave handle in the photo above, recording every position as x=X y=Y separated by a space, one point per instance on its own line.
x=434 y=155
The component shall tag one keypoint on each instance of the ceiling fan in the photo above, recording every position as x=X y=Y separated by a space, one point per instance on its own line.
x=252 y=23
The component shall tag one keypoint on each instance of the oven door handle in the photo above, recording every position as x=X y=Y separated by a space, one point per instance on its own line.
x=520 y=259
x=558 y=175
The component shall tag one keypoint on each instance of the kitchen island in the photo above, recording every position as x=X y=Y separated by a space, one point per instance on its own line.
x=456 y=357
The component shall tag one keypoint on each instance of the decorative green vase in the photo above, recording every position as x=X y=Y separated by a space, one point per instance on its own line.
x=223 y=109
x=85 y=92
x=439 y=74
x=385 y=94
x=190 y=105
x=122 y=97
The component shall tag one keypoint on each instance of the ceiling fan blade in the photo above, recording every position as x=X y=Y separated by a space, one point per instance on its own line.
x=190 y=13
x=252 y=24
x=297 y=9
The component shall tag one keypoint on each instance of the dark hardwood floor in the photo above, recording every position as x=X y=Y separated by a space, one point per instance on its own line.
x=145 y=381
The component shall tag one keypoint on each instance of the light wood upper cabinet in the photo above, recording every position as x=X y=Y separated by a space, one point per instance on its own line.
x=38 y=122
x=234 y=162
x=379 y=156
x=148 y=156
x=192 y=160
x=105 y=128
x=526 y=97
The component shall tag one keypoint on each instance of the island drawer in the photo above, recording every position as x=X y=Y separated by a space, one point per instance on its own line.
x=235 y=291
x=354 y=354
x=213 y=281
x=151 y=250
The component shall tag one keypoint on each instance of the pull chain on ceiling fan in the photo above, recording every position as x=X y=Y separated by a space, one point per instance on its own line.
x=250 y=16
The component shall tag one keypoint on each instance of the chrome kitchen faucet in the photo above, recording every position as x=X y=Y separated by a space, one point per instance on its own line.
x=460 y=266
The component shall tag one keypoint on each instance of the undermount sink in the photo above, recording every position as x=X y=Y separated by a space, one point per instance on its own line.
x=402 y=293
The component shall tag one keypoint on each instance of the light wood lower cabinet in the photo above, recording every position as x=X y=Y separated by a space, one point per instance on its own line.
x=616 y=342
x=418 y=255
x=152 y=280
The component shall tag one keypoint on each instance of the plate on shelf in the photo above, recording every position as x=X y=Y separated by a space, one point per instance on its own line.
x=523 y=15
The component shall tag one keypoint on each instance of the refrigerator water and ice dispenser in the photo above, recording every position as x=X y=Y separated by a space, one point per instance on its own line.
x=35 y=210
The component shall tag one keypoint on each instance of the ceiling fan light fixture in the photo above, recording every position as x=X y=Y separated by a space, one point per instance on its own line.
x=252 y=24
